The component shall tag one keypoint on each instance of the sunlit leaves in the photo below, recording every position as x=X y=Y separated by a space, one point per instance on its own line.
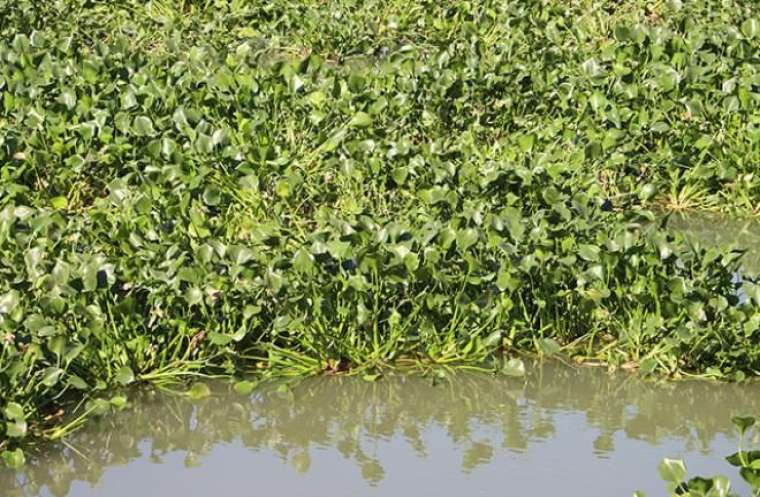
x=125 y=375
x=672 y=470
x=143 y=126
x=199 y=391
x=179 y=196
x=361 y=120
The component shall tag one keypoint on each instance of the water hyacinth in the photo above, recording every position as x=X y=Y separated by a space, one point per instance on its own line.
x=224 y=187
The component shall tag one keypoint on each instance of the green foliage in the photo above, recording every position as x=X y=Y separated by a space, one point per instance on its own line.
x=199 y=190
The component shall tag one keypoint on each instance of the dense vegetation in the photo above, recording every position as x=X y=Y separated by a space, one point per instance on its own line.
x=193 y=188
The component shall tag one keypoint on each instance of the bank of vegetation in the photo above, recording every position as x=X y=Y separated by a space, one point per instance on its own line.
x=197 y=188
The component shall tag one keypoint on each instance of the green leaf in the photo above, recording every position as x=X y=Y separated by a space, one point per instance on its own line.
x=98 y=407
x=14 y=459
x=59 y=203
x=118 y=401
x=361 y=120
x=317 y=98
x=220 y=339
x=125 y=375
x=9 y=301
x=548 y=346
x=143 y=126
x=68 y=98
x=743 y=458
x=672 y=470
x=589 y=252
x=647 y=191
x=193 y=296
x=743 y=423
x=212 y=195
x=514 y=367
x=244 y=387
x=750 y=28
x=199 y=391
x=751 y=476
x=51 y=375
x=14 y=411
x=77 y=382
x=466 y=238
x=303 y=261
x=525 y=142
x=204 y=143
x=721 y=487
x=282 y=188
x=16 y=429
x=493 y=339
x=371 y=377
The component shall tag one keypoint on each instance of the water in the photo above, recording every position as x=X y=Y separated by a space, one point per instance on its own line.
x=559 y=431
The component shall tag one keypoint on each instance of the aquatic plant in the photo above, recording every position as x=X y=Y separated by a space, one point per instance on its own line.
x=224 y=187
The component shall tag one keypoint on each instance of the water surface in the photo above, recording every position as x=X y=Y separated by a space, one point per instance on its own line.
x=559 y=431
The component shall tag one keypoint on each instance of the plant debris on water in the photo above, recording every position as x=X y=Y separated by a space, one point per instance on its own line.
x=222 y=187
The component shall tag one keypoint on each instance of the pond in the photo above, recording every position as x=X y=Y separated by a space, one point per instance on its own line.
x=557 y=431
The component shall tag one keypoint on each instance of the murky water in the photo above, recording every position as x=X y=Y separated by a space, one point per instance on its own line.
x=559 y=431
x=719 y=231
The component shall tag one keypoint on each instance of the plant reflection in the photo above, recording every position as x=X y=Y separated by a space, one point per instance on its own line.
x=350 y=415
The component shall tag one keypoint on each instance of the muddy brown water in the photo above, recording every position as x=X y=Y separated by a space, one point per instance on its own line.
x=559 y=431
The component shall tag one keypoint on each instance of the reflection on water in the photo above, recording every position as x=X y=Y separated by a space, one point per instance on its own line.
x=559 y=431
x=719 y=231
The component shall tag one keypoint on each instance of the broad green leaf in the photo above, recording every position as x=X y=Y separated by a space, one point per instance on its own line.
x=68 y=98
x=751 y=28
x=193 y=296
x=743 y=423
x=361 y=120
x=9 y=301
x=199 y=391
x=548 y=346
x=118 y=401
x=303 y=261
x=212 y=195
x=589 y=252
x=51 y=375
x=125 y=375
x=59 y=203
x=16 y=429
x=77 y=382
x=672 y=470
x=14 y=411
x=514 y=367
x=143 y=126
x=244 y=387
x=14 y=459
x=466 y=238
